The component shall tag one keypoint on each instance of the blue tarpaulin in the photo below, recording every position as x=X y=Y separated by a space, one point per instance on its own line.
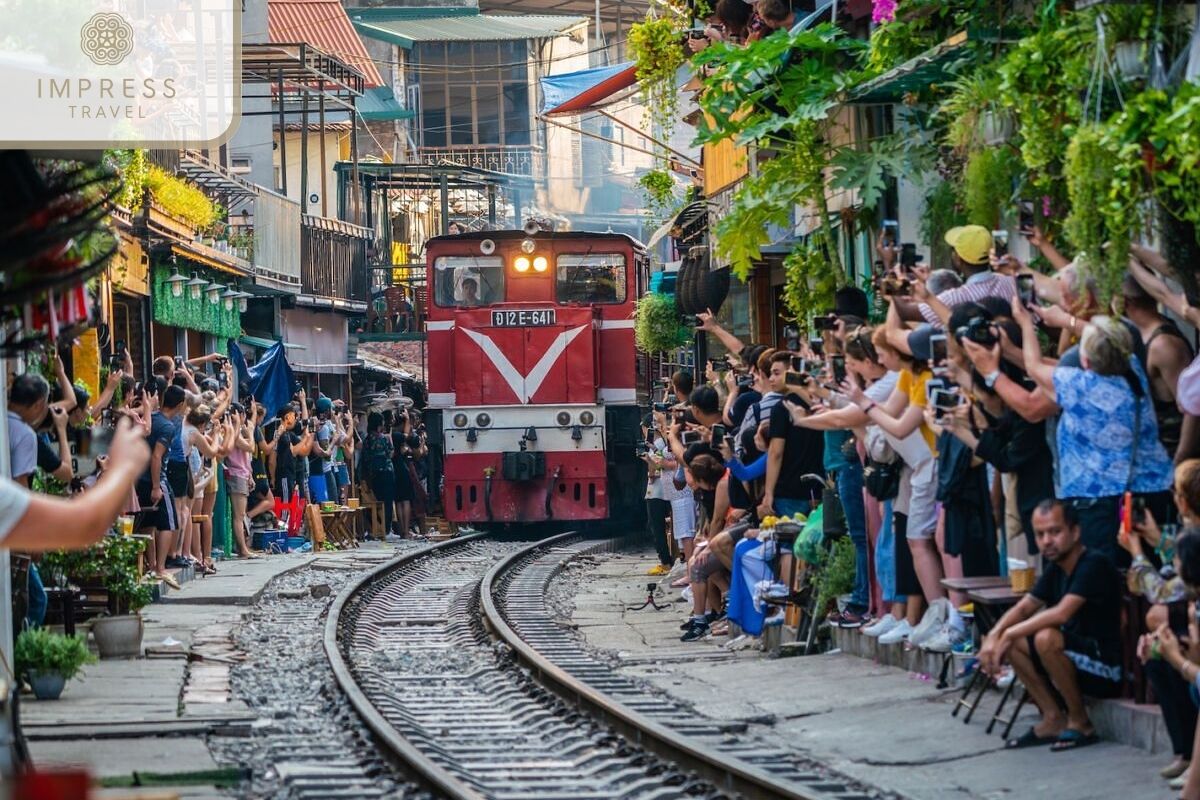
x=576 y=91
x=271 y=380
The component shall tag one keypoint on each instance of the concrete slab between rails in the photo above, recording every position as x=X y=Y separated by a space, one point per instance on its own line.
x=888 y=726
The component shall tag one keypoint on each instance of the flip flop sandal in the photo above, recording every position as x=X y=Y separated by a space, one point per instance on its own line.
x=1029 y=739
x=1073 y=740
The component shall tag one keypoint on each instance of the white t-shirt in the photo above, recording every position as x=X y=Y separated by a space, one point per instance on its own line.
x=14 y=502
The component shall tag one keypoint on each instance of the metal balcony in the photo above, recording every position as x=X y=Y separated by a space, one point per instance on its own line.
x=334 y=262
x=522 y=160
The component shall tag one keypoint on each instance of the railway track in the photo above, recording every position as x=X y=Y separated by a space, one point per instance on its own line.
x=456 y=665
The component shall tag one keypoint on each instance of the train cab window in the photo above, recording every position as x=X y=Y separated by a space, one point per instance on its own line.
x=591 y=279
x=466 y=281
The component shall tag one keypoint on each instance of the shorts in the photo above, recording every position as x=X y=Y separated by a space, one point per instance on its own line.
x=237 y=484
x=786 y=507
x=341 y=474
x=1098 y=673
x=162 y=517
x=179 y=478
x=917 y=499
x=317 y=489
x=704 y=566
x=683 y=517
x=332 y=490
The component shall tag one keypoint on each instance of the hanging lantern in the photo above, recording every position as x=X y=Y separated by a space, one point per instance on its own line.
x=228 y=296
x=176 y=281
x=196 y=287
x=214 y=292
x=244 y=301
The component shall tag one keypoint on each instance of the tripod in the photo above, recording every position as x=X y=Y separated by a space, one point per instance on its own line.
x=650 y=587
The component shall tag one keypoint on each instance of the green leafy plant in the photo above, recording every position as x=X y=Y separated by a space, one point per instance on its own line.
x=114 y=562
x=42 y=651
x=655 y=44
x=836 y=576
x=180 y=198
x=988 y=185
x=657 y=327
x=659 y=189
x=133 y=167
x=1101 y=240
x=944 y=209
x=809 y=281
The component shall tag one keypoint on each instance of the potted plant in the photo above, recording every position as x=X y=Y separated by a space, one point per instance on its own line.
x=48 y=660
x=657 y=327
x=119 y=635
x=1129 y=31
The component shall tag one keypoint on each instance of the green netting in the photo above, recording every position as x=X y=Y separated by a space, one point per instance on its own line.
x=197 y=315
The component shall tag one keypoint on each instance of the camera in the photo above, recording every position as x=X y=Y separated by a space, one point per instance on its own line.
x=745 y=381
x=979 y=330
x=825 y=322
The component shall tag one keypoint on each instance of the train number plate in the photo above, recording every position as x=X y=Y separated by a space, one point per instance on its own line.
x=523 y=318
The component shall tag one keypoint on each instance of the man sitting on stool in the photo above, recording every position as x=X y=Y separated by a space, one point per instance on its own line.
x=1062 y=638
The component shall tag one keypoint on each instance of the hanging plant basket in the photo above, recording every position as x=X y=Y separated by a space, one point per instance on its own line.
x=995 y=127
x=657 y=327
x=1129 y=59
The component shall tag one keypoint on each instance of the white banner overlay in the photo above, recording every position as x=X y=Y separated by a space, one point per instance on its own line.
x=105 y=73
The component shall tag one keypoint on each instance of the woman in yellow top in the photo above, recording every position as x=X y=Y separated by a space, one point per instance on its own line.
x=902 y=414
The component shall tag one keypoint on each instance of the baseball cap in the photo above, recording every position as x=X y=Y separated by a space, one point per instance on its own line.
x=918 y=342
x=324 y=405
x=973 y=243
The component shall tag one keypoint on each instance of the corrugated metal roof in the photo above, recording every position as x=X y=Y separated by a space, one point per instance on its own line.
x=467 y=28
x=325 y=25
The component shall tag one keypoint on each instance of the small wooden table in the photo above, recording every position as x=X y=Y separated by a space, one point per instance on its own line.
x=980 y=582
x=339 y=526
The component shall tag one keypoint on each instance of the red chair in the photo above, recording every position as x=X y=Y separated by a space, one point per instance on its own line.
x=295 y=509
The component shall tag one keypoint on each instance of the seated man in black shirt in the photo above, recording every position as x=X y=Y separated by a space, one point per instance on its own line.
x=1064 y=636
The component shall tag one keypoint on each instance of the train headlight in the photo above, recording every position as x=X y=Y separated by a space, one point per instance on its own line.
x=540 y=264
x=563 y=418
x=521 y=264
x=527 y=246
x=587 y=418
x=483 y=420
x=460 y=420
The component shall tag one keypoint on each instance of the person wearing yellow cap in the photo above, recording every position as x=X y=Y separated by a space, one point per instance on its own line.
x=971 y=250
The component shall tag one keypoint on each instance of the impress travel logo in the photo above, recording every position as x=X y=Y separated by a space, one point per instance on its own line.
x=119 y=73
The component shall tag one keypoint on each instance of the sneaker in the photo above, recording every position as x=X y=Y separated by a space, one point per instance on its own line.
x=851 y=620
x=697 y=630
x=1181 y=781
x=881 y=626
x=658 y=569
x=899 y=633
x=1175 y=768
x=1006 y=680
x=940 y=642
x=935 y=617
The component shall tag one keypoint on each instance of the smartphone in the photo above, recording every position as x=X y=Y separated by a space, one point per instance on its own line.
x=937 y=346
x=120 y=347
x=892 y=225
x=718 y=431
x=944 y=400
x=1025 y=215
x=178 y=362
x=817 y=345
x=826 y=322
x=799 y=364
x=1025 y=290
x=661 y=408
x=1127 y=515
x=719 y=364
x=908 y=255
x=690 y=437
x=839 y=369
x=793 y=378
x=1000 y=243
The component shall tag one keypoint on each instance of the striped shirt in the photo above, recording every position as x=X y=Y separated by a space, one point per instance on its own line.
x=978 y=286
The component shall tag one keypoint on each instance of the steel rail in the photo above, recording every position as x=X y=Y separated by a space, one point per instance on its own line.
x=720 y=768
x=426 y=771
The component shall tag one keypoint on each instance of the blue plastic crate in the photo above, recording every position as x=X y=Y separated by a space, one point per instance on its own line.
x=269 y=539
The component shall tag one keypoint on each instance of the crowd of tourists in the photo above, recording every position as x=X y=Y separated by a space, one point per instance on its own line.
x=997 y=416
x=197 y=430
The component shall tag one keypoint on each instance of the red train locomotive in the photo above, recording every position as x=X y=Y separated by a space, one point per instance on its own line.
x=533 y=375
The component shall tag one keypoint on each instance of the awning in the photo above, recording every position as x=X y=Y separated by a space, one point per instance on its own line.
x=936 y=65
x=380 y=105
x=578 y=91
x=213 y=258
x=324 y=337
x=404 y=27
x=323 y=24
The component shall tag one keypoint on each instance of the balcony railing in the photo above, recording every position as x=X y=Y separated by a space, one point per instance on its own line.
x=277 y=240
x=333 y=259
x=521 y=160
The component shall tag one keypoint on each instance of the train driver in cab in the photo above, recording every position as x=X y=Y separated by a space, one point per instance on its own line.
x=470 y=292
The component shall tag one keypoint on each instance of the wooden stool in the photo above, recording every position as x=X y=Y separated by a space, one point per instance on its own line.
x=1008 y=723
x=978 y=680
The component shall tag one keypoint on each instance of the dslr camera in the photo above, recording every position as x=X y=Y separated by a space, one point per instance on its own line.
x=979 y=330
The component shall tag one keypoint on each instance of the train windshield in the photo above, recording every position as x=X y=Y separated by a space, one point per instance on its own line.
x=591 y=279
x=466 y=281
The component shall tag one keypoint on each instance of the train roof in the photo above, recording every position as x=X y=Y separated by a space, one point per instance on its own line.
x=519 y=234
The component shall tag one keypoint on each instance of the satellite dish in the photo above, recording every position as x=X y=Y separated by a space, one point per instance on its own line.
x=487 y=247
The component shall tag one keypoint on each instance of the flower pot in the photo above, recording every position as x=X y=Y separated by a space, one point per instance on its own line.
x=118 y=637
x=995 y=128
x=46 y=685
x=1127 y=57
